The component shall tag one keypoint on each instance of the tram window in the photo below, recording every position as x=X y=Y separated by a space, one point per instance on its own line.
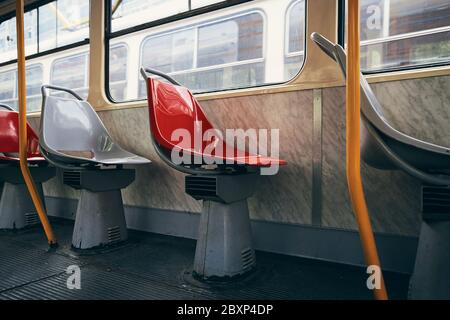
x=129 y=13
x=34 y=83
x=402 y=34
x=118 y=72
x=53 y=25
x=71 y=72
x=8 y=87
x=295 y=41
x=228 y=52
x=211 y=57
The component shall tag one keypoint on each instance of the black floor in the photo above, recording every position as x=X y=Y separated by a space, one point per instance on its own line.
x=152 y=266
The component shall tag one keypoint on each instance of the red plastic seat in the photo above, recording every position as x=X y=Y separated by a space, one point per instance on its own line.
x=9 y=139
x=173 y=107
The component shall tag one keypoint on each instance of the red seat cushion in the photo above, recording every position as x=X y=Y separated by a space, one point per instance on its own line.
x=174 y=107
x=9 y=138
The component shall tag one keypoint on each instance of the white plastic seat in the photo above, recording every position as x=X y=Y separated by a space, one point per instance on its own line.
x=73 y=134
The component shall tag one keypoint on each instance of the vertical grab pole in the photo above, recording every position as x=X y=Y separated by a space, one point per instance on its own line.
x=353 y=144
x=23 y=141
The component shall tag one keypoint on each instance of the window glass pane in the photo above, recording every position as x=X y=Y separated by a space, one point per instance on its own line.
x=47 y=26
x=118 y=72
x=30 y=32
x=230 y=41
x=218 y=43
x=8 y=87
x=202 y=3
x=34 y=84
x=206 y=67
x=8 y=47
x=72 y=21
x=171 y=52
x=208 y=54
x=295 y=42
x=57 y=23
x=71 y=72
x=404 y=33
x=296 y=27
x=129 y=13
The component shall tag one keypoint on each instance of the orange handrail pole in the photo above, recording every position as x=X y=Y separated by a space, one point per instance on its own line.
x=23 y=125
x=353 y=96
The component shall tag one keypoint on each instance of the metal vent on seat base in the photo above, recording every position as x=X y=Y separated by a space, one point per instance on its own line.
x=114 y=234
x=72 y=178
x=31 y=218
x=201 y=187
x=248 y=259
x=435 y=202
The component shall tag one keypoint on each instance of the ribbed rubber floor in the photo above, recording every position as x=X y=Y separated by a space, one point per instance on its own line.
x=158 y=267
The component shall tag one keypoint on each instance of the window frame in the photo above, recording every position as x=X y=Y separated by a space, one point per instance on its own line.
x=28 y=8
x=342 y=16
x=108 y=36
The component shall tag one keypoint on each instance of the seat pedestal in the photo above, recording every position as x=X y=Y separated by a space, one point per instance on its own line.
x=17 y=210
x=224 y=243
x=100 y=220
x=430 y=279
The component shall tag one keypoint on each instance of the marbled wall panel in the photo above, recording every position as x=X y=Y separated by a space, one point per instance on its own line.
x=418 y=107
x=392 y=196
x=285 y=197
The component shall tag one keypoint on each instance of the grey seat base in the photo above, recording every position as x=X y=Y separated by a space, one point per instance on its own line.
x=430 y=279
x=224 y=244
x=100 y=220
x=17 y=210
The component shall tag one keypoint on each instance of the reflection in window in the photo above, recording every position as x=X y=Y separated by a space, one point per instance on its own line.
x=214 y=56
x=404 y=33
x=129 y=13
x=170 y=52
x=218 y=43
x=295 y=42
x=57 y=23
x=8 y=88
x=71 y=72
x=118 y=72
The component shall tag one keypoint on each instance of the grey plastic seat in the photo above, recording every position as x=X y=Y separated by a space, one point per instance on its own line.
x=73 y=134
x=74 y=139
x=384 y=147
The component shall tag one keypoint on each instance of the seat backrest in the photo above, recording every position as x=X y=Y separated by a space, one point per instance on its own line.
x=372 y=109
x=173 y=107
x=9 y=135
x=72 y=127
